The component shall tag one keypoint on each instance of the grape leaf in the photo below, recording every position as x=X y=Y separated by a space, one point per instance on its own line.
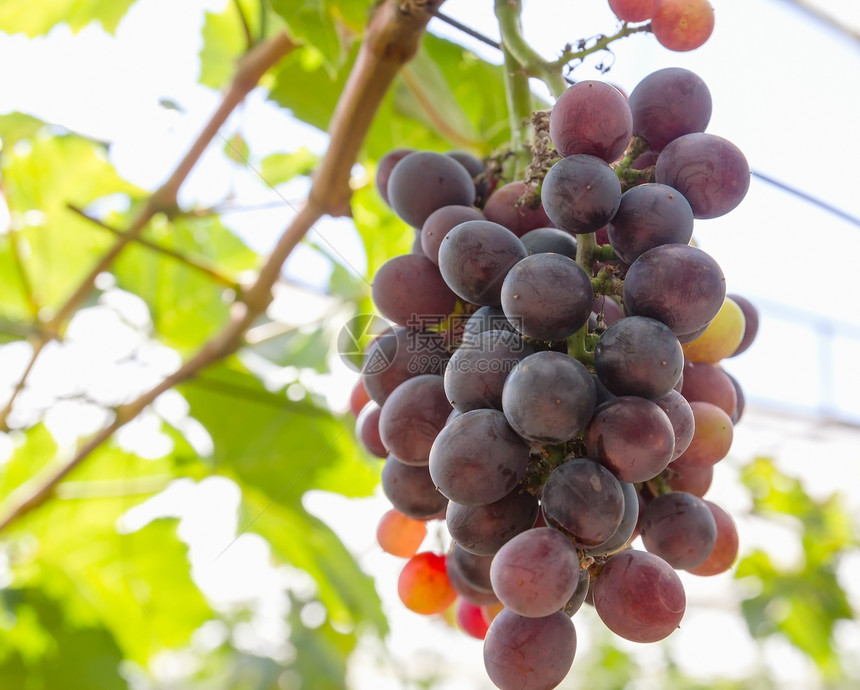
x=20 y=16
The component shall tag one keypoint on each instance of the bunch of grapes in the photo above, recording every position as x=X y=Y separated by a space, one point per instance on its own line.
x=550 y=386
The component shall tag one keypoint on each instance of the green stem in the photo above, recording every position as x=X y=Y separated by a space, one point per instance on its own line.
x=508 y=13
x=519 y=97
x=601 y=44
x=577 y=343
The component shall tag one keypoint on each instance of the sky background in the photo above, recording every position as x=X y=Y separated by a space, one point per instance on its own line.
x=786 y=90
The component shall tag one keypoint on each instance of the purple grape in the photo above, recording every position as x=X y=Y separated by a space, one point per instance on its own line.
x=711 y=172
x=626 y=529
x=484 y=529
x=680 y=415
x=475 y=257
x=581 y=193
x=477 y=458
x=522 y=652
x=411 y=490
x=591 y=117
x=669 y=103
x=440 y=223
x=507 y=208
x=680 y=528
x=677 y=284
x=550 y=240
x=547 y=296
x=548 y=397
x=425 y=181
x=409 y=290
x=413 y=416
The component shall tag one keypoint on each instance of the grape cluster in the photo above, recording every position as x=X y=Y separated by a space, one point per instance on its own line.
x=550 y=386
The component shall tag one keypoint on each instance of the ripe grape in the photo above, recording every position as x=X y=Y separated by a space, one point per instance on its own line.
x=591 y=117
x=650 y=214
x=547 y=296
x=471 y=619
x=412 y=417
x=411 y=490
x=543 y=240
x=639 y=597
x=522 y=652
x=680 y=414
x=712 y=437
x=548 y=397
x=475 y=257
x=711 y=172
x=384 y=168
x=679 y=528
x=367 y=430
x=708 y=383
x=476 y=373
x=477 y=458
x=484 y=529
x=358 y=398
x=506 y=208
x=486 y=319
x=677 y=284
x=536 y=572
x=683 y=25
x=583 y=499
x=424 y=181
x=694 y=479
x=625 y=530
x=632 y=437
x=667 y=104
x=409 y=289
x=581 y=193
x=750 y=323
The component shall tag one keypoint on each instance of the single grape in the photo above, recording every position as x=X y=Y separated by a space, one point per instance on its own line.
x=413 y=416
x=667 y=104
x=577 y=599
x=517 y=207
x=477 y=458
x=680 y=414
x=411 y=490
x=398 y=354
x=409 y=290
x=639 y=597
x=683 y=25
x=484 y=529
x=650 y=214
x=477 y=170
x=713 y=435
x=694 y=479
x=721 y=338
x=547 y=296
x=486 y=319
x=477 y=371
x=634 y=10
x=543 y=240
x=522 y=652
x=470 y=619
x=711 y=172
x=583 y=499
x=399 y=534
x=638 y=356
x=367 y=430
x=358 y=398
x=384 y=168
x=679 y=528
x=536 y=572
x=677 y=284
x=425 y=181
x=625 y=530
x=548 y=397
x=423 y=585
x=632 y=437
x=591 y=117
x=469 y=578
x=475 y=257
x=750 y=323
x=708 y=383
x=581 y=193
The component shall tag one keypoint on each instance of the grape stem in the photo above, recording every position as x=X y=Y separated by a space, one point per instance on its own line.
x=601 y=43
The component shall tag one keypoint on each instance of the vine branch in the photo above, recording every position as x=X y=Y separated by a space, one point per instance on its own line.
x=392 y=38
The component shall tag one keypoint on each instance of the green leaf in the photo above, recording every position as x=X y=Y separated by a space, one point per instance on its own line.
x=327 y=25
x=19 y=16
x=266 y=441
x=280 y=167
x=236 y=149
x=137 y=585
x=306 y=542
x=41 y=648
x=186 y=305
x=17 y=126
x=41 y=179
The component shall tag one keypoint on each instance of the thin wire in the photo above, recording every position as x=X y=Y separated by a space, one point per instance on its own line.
x=764 y=178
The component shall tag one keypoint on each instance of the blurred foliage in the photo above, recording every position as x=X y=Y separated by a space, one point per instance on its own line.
x=90 y=598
